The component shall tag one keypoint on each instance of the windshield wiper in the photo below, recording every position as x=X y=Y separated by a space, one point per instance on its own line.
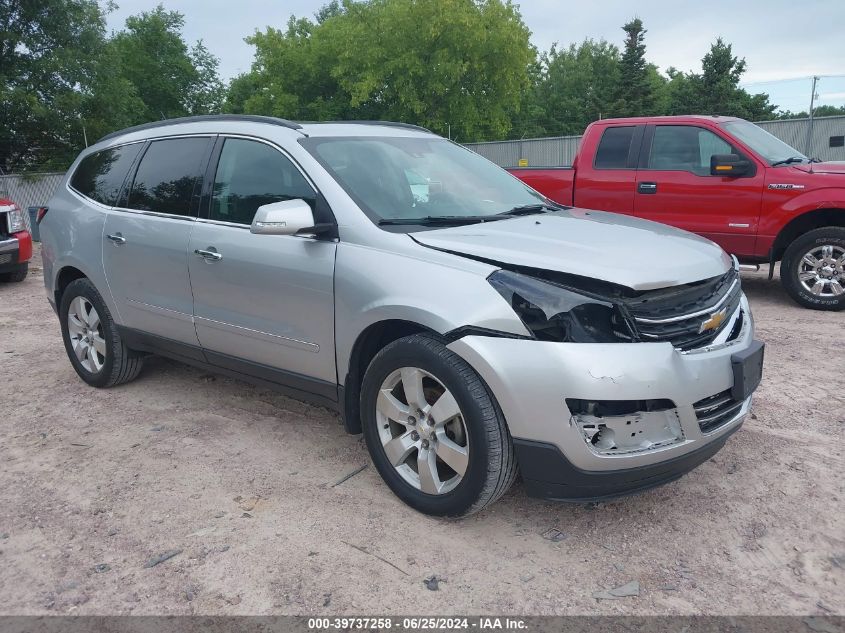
x=789 y=161
x=441 y=220
x=531 y=209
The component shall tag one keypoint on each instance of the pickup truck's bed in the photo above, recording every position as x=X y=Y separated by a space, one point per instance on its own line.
x=556 y=183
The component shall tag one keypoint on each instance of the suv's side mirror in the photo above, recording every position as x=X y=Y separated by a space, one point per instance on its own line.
x=288 y=217
x=730 y=165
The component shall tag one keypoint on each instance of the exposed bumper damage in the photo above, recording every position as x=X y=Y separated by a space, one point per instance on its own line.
x=597 y=420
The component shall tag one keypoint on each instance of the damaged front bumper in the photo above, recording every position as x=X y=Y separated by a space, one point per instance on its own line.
x=593 y=421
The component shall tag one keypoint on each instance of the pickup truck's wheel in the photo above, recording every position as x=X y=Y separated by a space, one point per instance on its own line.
x=91 y=339
x=813 y=269
x=16 y=275
x=434 y=430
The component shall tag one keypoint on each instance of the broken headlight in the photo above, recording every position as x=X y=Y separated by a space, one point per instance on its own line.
x=554 y=313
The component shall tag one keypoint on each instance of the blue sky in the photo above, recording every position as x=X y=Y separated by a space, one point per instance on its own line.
x=783 y=42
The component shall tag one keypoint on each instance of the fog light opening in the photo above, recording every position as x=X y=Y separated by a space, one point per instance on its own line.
x=655 y=426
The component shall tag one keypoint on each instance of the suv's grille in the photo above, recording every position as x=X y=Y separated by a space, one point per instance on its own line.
x=714 y=411
x=4 y=226
x=681 y=316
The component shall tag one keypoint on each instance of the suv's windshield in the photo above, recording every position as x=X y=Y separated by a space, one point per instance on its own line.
x=767 y=146
x=400 y=178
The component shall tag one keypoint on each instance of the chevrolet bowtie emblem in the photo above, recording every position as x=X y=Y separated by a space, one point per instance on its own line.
x=714 y=321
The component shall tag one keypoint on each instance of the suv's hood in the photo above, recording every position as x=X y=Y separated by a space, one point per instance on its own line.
x=616 y=248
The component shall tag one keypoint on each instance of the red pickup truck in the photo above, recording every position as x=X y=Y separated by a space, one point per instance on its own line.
x=723 y=178
x=15 y=242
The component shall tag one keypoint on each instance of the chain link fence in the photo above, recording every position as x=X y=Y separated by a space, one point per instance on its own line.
x=30 y=190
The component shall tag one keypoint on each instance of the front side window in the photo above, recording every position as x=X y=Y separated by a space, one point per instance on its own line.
x=251 y=174
x=397 y=178
x=767 y=146
x=685 y=148
x=100 y=176
x=614 y=148
x=167 y=175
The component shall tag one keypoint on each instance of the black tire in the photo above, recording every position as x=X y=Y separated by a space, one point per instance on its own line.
x=121 y=364
x=790 y=267
x=16 y=275
x=491 y=467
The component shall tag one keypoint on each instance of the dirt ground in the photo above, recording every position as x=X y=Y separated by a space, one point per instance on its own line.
x=237 y=481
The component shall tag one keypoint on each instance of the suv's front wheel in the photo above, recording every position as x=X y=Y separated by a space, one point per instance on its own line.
x=434 y=430
x=813 y=269
x=92 y=341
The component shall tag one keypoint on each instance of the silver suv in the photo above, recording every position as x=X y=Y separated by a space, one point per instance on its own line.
x=463 y=322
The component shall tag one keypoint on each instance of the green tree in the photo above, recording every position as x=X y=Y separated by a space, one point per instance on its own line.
x=822 y=110
x=439 y=63
x=290 y=77
x=716 y=89
x=636 y=93
x=171 y=79
x=578 y=85
x=48 y=49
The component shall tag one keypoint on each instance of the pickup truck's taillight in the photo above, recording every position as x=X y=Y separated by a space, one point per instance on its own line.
x=15 y=220
x=39 y=215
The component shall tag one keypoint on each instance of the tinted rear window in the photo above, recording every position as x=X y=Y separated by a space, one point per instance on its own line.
x=614 y=147
x=167 y=175
x=100 y=176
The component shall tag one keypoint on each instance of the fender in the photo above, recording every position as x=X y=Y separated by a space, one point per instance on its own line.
x=778 y=216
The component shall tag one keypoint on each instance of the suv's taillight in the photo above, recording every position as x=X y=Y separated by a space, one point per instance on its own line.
x=39 y=215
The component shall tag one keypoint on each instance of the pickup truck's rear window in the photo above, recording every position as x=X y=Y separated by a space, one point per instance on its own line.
x=614 y=147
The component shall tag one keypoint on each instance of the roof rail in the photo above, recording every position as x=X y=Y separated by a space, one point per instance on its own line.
x=255 y=118
x=409 y=126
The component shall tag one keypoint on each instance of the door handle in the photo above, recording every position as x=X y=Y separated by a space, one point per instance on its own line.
x=210 y=255
x=647 y=187
x=117 y=239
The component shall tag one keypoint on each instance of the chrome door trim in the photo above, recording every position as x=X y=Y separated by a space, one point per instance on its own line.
x=234 y=225
x=167 y=312
x=158 y=214
x=258 y=335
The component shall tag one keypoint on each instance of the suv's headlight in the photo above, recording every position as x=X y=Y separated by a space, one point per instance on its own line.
x=16 y=220
x=553 y=313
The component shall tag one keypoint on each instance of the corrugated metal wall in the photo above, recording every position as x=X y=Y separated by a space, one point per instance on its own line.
x=32 y=190
x=795 y=131
x=539 y=152
x=557 y=151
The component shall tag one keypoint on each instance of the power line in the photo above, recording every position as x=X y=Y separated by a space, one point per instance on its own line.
x=785 y=80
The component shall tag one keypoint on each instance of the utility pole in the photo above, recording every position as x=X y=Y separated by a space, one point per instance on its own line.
x=809 y=146
x=84 y=132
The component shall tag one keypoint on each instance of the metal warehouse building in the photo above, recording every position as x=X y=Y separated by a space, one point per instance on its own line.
x=827 y=143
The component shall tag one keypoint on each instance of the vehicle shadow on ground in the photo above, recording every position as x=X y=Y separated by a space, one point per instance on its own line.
x=760 y=289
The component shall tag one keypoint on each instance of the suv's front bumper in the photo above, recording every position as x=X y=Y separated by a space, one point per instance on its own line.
x=533 y=379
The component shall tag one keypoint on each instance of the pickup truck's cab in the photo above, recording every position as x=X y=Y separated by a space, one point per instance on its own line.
x=723 y=178
x=15 y=242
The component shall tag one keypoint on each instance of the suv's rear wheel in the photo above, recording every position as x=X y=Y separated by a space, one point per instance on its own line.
x=813 y=269
x=434 y=431
x=91 y=339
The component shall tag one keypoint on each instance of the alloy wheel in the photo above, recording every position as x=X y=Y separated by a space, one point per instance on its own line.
x=422 y=430
x=86 y=334
x=822 y=271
